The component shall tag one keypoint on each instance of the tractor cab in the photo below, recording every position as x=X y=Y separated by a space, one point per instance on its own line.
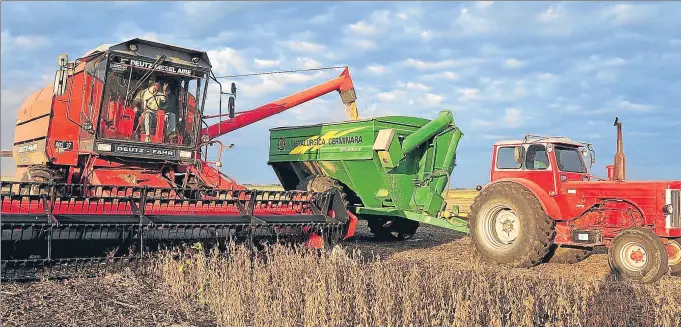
x=544 y=160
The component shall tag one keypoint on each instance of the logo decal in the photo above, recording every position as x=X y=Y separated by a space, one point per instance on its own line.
x=282 y=144
x=332 y=137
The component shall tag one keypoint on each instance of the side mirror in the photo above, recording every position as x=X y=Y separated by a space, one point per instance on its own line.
x=233 y=89
x=61 y=76
x=519 y=155
x=230 y=106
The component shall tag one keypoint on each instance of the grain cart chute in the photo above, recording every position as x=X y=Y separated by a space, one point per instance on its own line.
x=392 y=171
x=115 y=153
x=543 y=204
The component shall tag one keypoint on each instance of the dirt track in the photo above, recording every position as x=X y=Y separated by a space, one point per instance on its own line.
x=128 y=300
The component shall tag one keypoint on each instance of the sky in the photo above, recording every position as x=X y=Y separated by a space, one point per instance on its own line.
x=505 y=69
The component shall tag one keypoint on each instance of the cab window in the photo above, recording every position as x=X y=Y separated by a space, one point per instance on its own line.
x=506 y=158
x=536 y=157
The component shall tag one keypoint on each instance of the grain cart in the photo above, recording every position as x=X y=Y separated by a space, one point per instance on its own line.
x=543 y=203
x=392 y=170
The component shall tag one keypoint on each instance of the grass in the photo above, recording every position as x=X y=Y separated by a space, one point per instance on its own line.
x=297 y=287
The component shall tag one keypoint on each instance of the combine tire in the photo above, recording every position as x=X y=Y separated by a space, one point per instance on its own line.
x=674 y=251
x=638 y=254
x=392 y=228
x=508 y=225
x=567 y=254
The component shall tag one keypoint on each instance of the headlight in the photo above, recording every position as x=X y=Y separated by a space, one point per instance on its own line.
x=185 y=154
x=104 y=147
x=132 y=47
x=205 y=138
x=668 y=209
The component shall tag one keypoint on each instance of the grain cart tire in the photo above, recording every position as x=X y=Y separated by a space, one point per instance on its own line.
x=674 y=259
x=638 y=254
x=38 y=175
x=316 y=183
x=392 y=228
x=567 y=254
x=508 y=225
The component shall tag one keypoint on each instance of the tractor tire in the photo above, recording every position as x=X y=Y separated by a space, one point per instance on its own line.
x=509 y=226
x=392 y=228
x=675 y=261
x=38 y=175
x=638 y=254
x=567 y=254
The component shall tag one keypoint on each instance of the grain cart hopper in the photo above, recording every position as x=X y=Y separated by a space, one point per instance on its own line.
x=392 y=170
x=116 y=153
x=543 y=203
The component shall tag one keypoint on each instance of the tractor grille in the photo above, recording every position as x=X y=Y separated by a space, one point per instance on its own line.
x=675 y=200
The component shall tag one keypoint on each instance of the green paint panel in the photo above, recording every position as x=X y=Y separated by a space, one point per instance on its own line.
x=370 y=158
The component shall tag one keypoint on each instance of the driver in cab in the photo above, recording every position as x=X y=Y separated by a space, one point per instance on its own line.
x=148 y=101
x=534 y=162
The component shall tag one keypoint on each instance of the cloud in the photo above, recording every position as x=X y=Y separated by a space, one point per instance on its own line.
x=512 y=63
x=434 y=99
x=624 y=104
x=451 y=76
x=264 y=63
x=304 y=46
x=626 y=14
x=307 y=63
x=364 y=44
x=227 y=61
x=468 y=24
x=22 y=42
x=468 y=94
x=376 y=69
x=512 y=118
x=449 y=63
x=362 y=28
x=414 y=86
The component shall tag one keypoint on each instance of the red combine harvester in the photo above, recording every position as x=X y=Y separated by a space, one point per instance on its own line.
x=543 y=204
x=114 y=157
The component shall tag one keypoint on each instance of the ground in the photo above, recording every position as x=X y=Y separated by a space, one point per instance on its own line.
x=133 y=299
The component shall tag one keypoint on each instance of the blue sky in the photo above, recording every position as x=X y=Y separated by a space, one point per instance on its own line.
x=504 y=68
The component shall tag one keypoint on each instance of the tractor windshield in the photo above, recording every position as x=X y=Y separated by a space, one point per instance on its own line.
x=151 y=102
x=569 y=159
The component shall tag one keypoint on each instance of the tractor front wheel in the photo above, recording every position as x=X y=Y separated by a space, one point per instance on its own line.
x=638 y=254
x=508 y=225
x=674 y=256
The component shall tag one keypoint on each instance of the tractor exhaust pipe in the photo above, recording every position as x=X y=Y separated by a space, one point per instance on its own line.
x=620 y=159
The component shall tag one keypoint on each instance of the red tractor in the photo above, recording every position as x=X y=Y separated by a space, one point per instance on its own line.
x=543 y=204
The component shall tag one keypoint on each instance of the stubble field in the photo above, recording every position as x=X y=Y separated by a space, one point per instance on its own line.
x=433 y=279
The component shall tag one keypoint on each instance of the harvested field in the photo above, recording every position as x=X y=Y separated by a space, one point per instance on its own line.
x=434 y=279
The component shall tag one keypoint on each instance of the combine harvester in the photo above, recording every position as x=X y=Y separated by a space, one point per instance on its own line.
x=113 y=158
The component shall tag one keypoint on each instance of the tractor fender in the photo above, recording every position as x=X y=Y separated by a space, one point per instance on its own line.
x=549 y=205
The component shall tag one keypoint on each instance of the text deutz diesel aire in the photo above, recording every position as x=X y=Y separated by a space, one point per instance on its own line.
x=116 y=151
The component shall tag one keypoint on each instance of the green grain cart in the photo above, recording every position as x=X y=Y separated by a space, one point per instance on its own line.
x=392 y=170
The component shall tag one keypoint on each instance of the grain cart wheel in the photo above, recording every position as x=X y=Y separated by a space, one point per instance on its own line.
x=567 y=254
x=315 y=183
x=674 y=256
x=638 y=254
x=38 y=175
x=508 y=225
x=392 y=228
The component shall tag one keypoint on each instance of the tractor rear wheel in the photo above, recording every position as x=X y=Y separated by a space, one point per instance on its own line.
x=508 y=225
x=567 y=254
x=392 y=228
x=638 y=254
x=674 y=256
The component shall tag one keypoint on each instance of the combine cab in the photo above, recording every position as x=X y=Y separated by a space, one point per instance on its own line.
x=542 y=204
x=113 y=158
